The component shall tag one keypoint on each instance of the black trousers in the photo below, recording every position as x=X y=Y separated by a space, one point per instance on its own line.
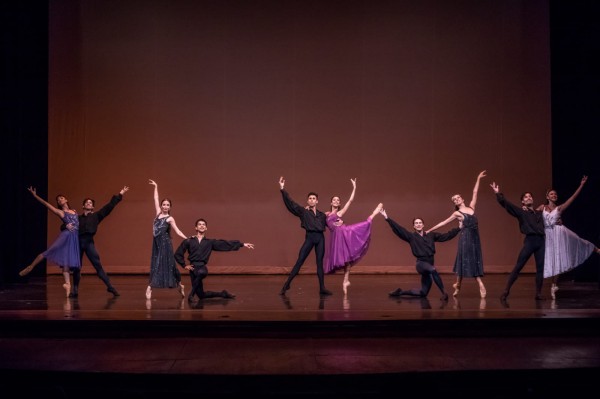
x=87 y=247
x=316 y=240
x=429 y=275
x=197 y=276
x=532 y=245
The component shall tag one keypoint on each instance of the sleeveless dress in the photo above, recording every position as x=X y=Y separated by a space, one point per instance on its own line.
x=163 y=269
x=64 y=251
x=469 y=261
x=347 y=243
x=564 y=249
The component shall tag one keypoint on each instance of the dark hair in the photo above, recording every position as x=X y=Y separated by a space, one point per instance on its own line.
x=57 y=204
x=548 y=192
x=200 y=220
x=170 y=203
x=525 y=193
x=313 y=193
x=421 y=219
x=88 y=199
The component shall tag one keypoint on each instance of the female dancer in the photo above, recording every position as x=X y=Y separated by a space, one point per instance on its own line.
x=64 y=251
x=347 y=243
x=163 y=268
x=564 y=249
x=468 y=262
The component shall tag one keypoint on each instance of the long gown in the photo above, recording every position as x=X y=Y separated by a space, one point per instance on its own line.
x=163 y=269
x=469 y=261
x=64 y=251
x=347 y=243
x=564 y=249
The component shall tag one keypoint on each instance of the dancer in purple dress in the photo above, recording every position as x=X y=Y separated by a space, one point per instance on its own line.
x=64 y=251
x=348 y=243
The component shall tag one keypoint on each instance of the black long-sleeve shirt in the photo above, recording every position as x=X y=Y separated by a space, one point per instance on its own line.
x=531 y=221
x=88 y=224
x=422 y=246
x=309 y=220
x=199 y=250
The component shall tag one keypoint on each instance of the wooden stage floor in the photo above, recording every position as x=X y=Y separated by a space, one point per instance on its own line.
x=365 y=344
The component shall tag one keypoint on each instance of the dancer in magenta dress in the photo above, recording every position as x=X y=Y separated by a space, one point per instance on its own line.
x=64 y=251
x=348 y=244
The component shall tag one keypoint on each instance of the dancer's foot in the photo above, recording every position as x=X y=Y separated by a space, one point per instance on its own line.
x=397 y=292
x=180 y=288
x=553 y=290
x=148 y=292
x=26 y=271
x=284 y=289
x=227 y=295
x=482 y=291
x=504 y=296
x=67 y=288
x=325 y=291
x=113 y=291
x=444 y=297
x=456 y=287
x=540 y=297
x=345 y=286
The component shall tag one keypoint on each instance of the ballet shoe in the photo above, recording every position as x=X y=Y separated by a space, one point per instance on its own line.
x=67 y=288
x=113 y=291
x=456 y=287
x=553 y=290
x=148 y=292
x=181 y=288
x=504 y=296
x=284 y=289
x=482 y=291
x=226 y=294
x=26 y=271
x=540 y=297
x=345 y=286
x=325 y=291
x=444 y=297
x=397 y=292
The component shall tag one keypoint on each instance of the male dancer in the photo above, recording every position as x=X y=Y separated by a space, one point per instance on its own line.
x=314 y=222
x=422 y=245
x=88 y=226
x=531 y=223
x=199 y=248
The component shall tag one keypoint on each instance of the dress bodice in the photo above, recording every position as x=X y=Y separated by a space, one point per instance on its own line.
x=551 y=218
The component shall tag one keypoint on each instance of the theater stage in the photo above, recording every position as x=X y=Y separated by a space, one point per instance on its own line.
x=364 y=344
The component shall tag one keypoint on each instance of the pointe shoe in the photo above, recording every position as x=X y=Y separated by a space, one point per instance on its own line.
x=553 y=290
x=67 y=288
x=482 y=291
x=456 y=287
x=26 y=271
x=148 y=292
x=181 y=290
x=345 y=286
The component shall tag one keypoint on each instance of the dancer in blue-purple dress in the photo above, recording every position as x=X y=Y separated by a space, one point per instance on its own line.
x=348 y=243
x=64 y=251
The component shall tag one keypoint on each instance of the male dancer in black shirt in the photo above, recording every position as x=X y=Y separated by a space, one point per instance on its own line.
x=314 y=222
x=199 y=248
x=422 y=245
x=88 y=226
x=531 y=223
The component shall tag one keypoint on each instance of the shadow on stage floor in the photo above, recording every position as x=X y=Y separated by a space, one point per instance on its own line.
x=363 y=344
